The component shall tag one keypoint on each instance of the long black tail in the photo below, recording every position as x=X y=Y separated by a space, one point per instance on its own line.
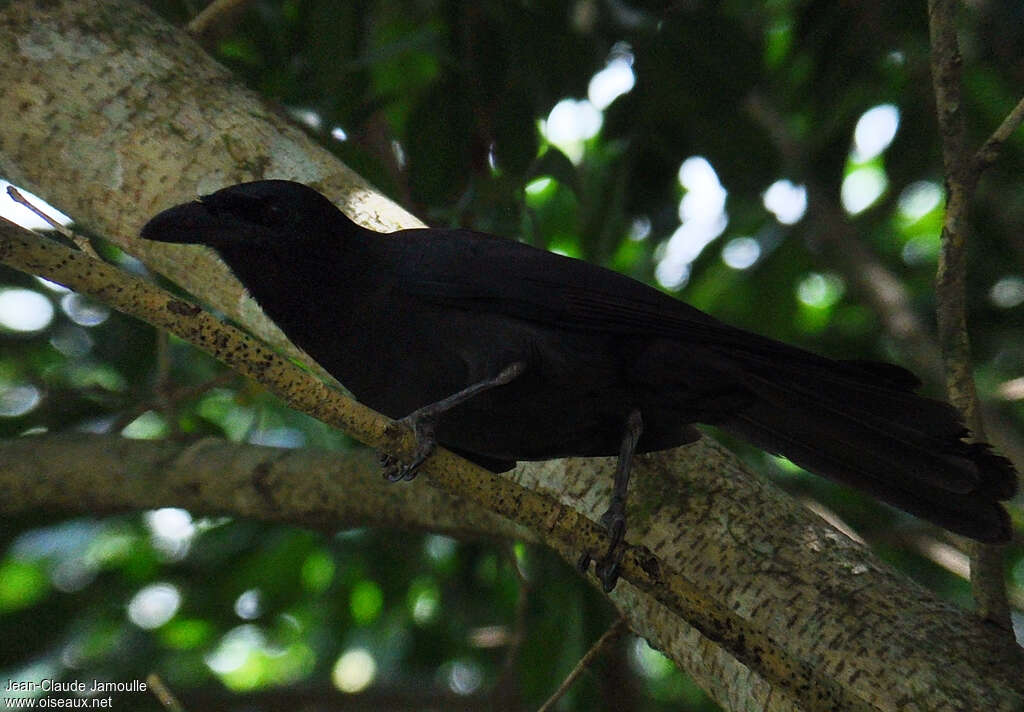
x=860 y=423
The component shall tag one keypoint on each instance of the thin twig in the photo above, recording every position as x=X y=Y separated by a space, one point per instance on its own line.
x=216 y=19
x=522 y=601
x=987 y=577
x=505 y=685
x=82 y=243
x=166 y=399
x=604 y=642
x=990 y=150
x=163 y=693
x=20 y=199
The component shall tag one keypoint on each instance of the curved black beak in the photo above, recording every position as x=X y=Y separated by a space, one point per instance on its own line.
x=188 y=223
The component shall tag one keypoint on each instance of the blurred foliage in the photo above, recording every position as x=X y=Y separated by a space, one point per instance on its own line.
x=449 y=108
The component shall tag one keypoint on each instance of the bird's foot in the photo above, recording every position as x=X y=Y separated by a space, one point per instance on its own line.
x=607 y=567
x=422 y=427
x=422 y=422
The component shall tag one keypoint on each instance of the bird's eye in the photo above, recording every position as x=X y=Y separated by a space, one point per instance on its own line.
x=274 y=214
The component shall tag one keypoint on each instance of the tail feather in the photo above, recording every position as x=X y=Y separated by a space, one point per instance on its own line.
x=861 y=424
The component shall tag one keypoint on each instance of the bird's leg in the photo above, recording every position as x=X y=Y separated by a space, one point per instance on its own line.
x=614 y=520
x=422 y=422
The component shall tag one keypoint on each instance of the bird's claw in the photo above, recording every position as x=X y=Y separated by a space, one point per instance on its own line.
x=394 y=470
x=607 y=567
x=423 y=421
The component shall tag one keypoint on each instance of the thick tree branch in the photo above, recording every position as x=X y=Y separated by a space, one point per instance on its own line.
x=112 y=115
x=95 y=474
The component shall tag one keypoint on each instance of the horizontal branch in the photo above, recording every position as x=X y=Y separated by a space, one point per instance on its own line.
x=82 y=474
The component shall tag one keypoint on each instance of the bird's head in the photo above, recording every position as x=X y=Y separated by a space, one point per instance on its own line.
x=250 y=214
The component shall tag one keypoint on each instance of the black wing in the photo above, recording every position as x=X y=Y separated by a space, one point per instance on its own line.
x=474 y=271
